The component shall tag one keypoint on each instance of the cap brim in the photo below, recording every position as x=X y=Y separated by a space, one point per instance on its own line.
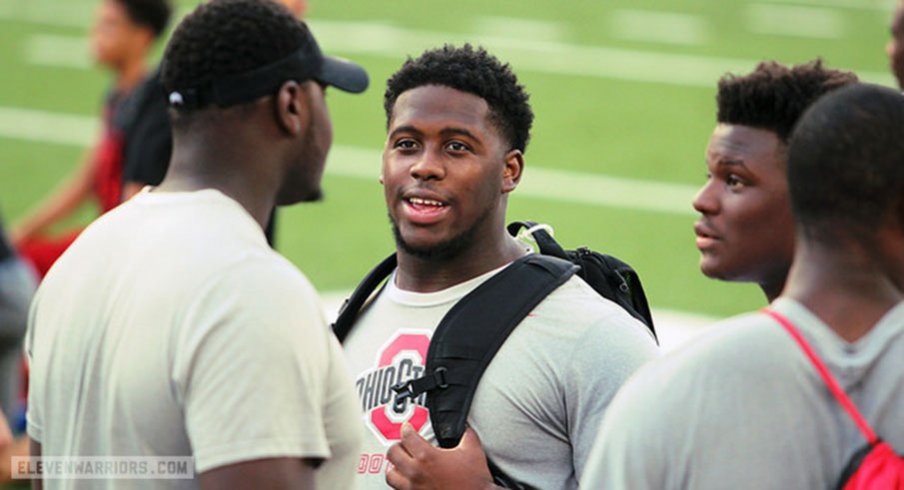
x=344 y=75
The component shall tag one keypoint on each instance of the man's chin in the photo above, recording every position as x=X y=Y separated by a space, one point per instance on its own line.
x=429 y=248
x=712 y=269
x=309 y=196
x=420 y=247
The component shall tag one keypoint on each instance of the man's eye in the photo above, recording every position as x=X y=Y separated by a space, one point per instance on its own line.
x=734 y=181
x=458 y=146
x=405 y=144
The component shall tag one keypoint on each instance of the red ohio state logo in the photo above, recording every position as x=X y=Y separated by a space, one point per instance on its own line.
x=400 y=360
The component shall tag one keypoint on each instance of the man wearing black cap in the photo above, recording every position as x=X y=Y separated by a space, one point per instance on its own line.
x=170 y=328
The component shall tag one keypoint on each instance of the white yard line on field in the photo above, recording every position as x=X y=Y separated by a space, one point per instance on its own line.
x=582 y=188
x=659 y=27
x=541 y=183
x=54 y=14
x=47 y=127
x=795 y=21
x=538 y=55
x=874 y=5
x=518 y=28
x=59 y=51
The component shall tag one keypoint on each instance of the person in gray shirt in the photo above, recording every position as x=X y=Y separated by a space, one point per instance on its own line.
x=743 y=407
x=17 y=286
x=745 y=232
x=458 y=124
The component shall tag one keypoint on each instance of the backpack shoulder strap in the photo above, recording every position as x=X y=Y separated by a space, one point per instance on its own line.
x=472 y=332
x=620 y=282
x=826 y=375
x=546 y=244
x=352 y=306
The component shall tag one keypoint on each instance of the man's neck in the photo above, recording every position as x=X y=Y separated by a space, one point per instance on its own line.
x=130 y=74
x=773 y=288
x=848 y=289
x=223 y=165
x=430 y=275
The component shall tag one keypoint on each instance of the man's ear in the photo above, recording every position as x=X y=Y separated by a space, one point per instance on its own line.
x=511 y=174
x=290 y=108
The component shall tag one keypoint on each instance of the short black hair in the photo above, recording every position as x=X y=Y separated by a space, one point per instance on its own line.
x=774 y=96
x=846 y=164
x=153 y=14
x=227 y=37
x=474 y=71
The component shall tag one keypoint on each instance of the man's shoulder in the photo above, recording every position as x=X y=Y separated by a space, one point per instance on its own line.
x=737 y=352
x=583 y=308
x=577 y=326
x=261 y=272
x=258 y=300
x=206 y=239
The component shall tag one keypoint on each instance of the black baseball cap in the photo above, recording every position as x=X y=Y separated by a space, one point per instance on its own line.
x=306 y=63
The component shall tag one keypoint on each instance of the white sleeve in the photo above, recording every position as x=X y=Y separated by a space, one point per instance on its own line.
x=610 y=352
x=34 y=420
x=251 y=367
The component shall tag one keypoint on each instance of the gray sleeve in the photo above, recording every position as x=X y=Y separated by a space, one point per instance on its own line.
x=17 y=286
x=628 y=451
x=608 y=355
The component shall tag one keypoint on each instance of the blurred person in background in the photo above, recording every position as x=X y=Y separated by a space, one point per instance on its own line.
x=297 y=7
x=745 y=232
x=17 y=286
x=134 y=143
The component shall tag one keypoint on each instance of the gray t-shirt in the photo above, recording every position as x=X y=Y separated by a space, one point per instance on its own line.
x=541 y=399
x=742 y=407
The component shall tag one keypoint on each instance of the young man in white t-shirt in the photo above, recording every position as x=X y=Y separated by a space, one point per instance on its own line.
x=170 y=328
x=742 y=407
x=458 y=126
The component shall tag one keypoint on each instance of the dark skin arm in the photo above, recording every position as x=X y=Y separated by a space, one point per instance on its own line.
x=35 y=450
x=61 y=203
x=264 y=474
x=417 y=464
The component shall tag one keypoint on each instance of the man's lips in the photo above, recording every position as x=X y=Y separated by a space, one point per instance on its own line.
x=424 y=208
x=706 y=236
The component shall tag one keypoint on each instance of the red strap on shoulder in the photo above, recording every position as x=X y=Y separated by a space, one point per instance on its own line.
x=833 y=385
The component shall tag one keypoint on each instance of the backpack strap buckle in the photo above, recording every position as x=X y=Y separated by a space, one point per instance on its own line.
x=416 y=387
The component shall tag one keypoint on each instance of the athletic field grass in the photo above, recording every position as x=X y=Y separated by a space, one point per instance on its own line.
x=623 y=93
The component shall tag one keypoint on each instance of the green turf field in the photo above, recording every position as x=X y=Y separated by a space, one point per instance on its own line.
x=623 y=93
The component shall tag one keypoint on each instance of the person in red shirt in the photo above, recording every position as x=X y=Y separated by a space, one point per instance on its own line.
x=122 y=38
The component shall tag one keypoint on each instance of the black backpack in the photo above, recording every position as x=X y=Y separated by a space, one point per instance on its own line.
x=474 y=329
